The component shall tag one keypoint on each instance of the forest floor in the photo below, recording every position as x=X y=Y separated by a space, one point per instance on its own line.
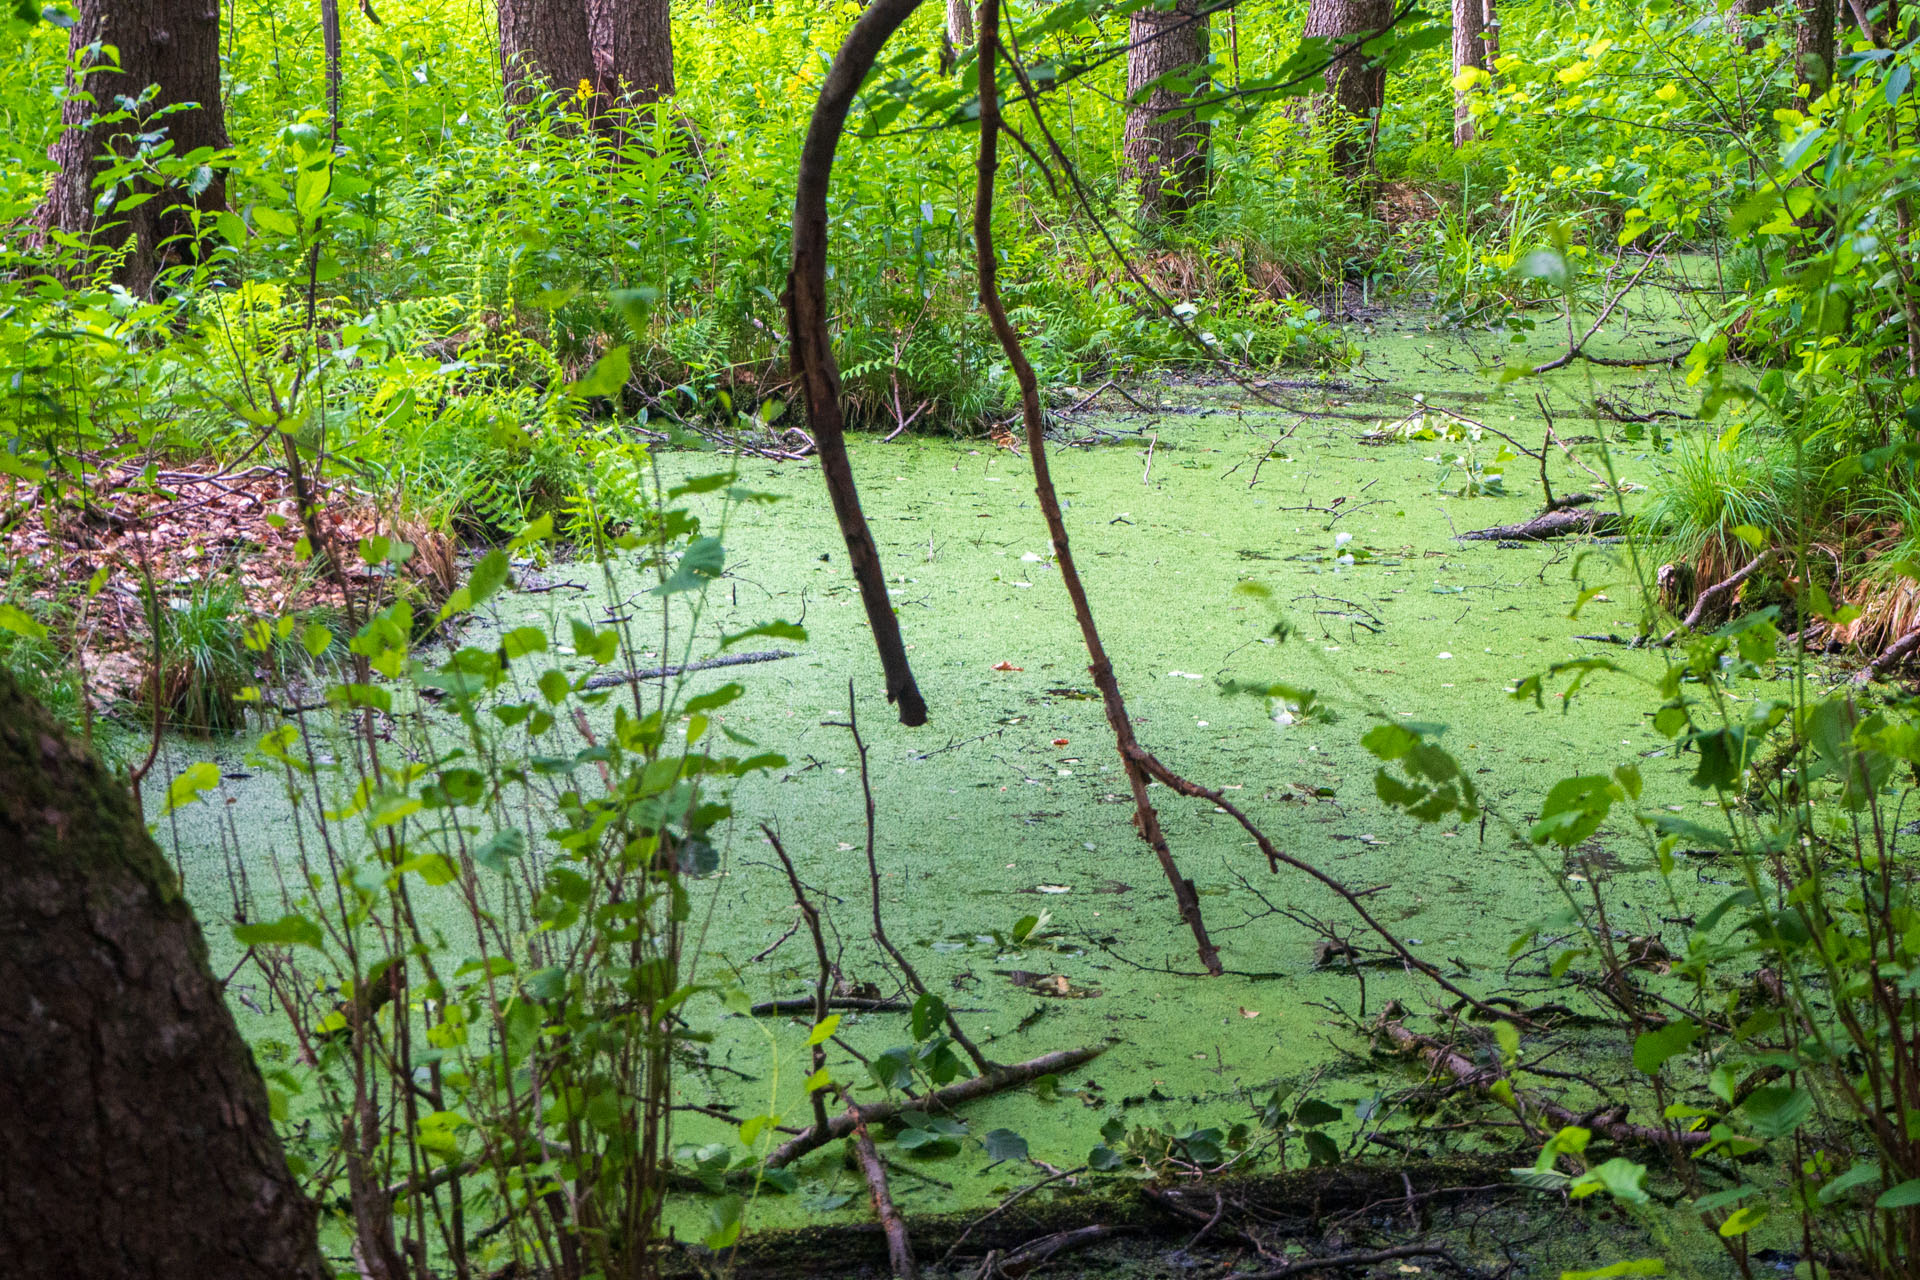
x=1010 y=803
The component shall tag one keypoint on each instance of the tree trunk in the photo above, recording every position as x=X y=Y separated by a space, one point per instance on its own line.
x=632 y=51
x=1750 y=40
x=959 y=33
x=1814 y=45
x=1475 y=44
x=174 y=44
x=1357 y=86
x=1165 y=147
x=543 y=48
x=135 y=1137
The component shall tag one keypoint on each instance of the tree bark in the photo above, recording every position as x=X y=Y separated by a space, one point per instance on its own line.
x=1164 y=146
x=543 y=48
x=174 y=44
x=811 y=345
x=1737 y=27
x=1475 y=44
x=959 y=33
x=135 y=1136
x=1356 y=86
x=1814 y=45
x=632 y=51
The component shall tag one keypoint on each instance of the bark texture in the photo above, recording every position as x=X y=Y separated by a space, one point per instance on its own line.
x=135 y=1138
x=1814 y=43
x=174 y=44
x=811 y=345
x=1357 y=87
x=1475 y=44
x=543 y=47
x=1741 y=29
x=959 y=32
x=1165 y=147
x=632 y=51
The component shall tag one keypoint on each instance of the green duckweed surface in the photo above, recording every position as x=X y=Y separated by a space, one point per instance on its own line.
x=1010 y=803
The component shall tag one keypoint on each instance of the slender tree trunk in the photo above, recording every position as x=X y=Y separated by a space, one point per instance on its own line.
x=1356 y=86
x=632 y=51
x=959 y=33
x=1737 y=27
x=1165 y=147
x=543 y=48
x=1814 y=44
x=172 y=44
x=1475 y=44
x=135 y=1137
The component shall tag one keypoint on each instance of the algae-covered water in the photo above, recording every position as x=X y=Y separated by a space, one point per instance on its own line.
x=1224 y=539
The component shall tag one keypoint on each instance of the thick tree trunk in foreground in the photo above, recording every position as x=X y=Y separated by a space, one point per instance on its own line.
x=543 y=47
x=174 y=44
x=632 y=51
x=1356 y=86
x=1475 y=44
x=1814 y=44
x=135 y=1138
x=1165 y=147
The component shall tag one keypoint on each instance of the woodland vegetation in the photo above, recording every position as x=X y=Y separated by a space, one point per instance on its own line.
x=396 y=395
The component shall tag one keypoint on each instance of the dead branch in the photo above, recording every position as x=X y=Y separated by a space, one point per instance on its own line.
x=1717 y=594
x=823 y=982
x=960 y=1037
x=1607 y=1124
x=899 y=1247
x=806 y=1004
x=1034 y=417
x=1890 y=657
x=999 y=1080
x=615 y=679
x=812 y=348
x=1361 y=1259
x=1562 y=523
x=1029 y=1256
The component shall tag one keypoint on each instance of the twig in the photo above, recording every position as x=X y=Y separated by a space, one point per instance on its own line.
x=1099 y=665
x=1607 y=1125
x=1004 y=1205
x=615 y=679
x=1363 y=1259
x=805 y=1004
x=998 y=1080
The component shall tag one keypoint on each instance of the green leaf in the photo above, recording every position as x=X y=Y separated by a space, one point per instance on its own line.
x=1635 y=1267
x=776 y=630
x=699 y=566
x=20 y=622
x=287 y=931
x=1777 y=1110
x=1904 y=1196
x=500 y=849
x=1743 y=1220
x=823 y=1030
x=1574 y=810
x=1651 y=1049
x=929 y=1015
x=1315 y=1112
x=1005 y=1144
x=607 y=378
x=192 y=782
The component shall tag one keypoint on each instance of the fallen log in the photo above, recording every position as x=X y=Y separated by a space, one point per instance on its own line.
x=1448 y=1061
x=1564 y=523
x=1890 y=657
x=985 y=1085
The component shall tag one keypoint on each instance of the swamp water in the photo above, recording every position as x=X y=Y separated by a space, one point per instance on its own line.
x=1011 y=804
